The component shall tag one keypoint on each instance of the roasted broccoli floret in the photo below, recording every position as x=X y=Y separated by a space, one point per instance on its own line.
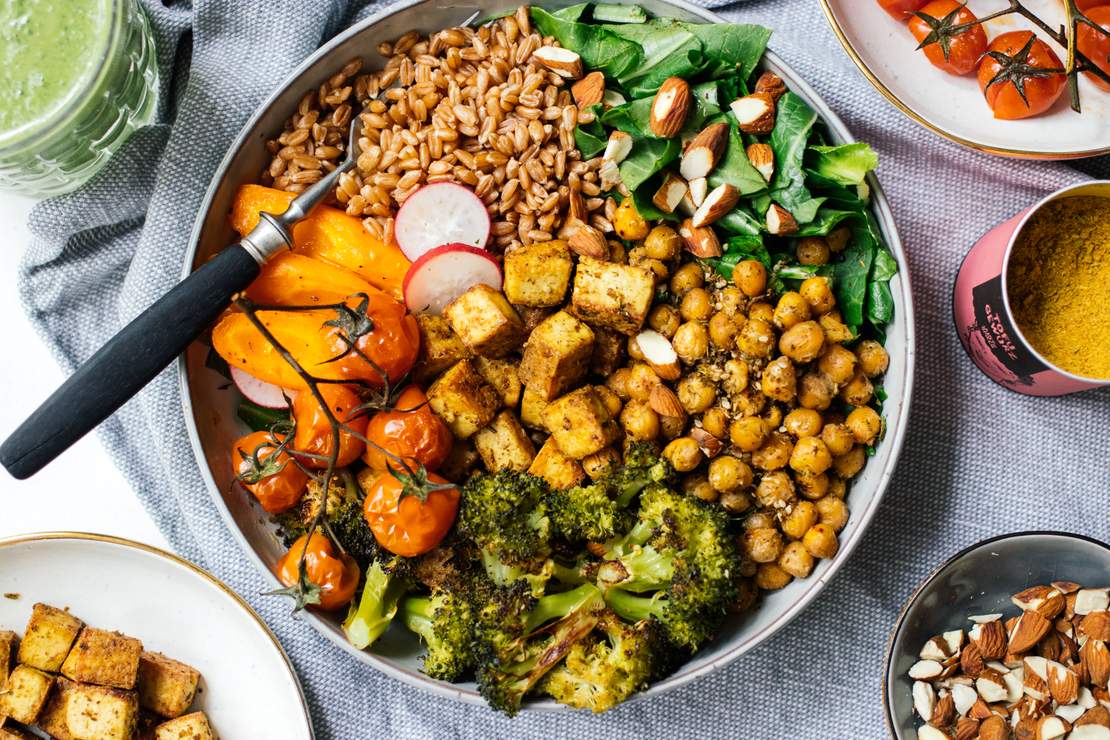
x=681 y=557
x=521 y=638
x=377 y=606
x=344 y=518
x=445 y=622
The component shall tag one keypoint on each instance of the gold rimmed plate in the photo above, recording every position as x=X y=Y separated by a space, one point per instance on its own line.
x=953 y=107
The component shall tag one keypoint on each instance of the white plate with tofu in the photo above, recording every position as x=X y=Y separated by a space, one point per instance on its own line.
x=101 y=637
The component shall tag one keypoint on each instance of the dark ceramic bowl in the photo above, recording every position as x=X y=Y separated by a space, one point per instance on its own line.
x=980 y=580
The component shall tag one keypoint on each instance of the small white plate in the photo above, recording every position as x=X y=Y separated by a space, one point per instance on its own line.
x=249 y=689
x=886 y=53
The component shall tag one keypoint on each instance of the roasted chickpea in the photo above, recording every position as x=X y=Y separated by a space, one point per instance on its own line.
x=640 y=421
x=763 y=311
x=736 y=376
x=691 y=342
x=775 y=491
x=633 y=349
x=762 y=545
x=715 y=421
x=641 y=381
x=848 y=465
x=779 y=380
x=687 y=277
x=810 y=456
x=811 y=486
x=838 y=487
x=835 y=329
x=865 y=424
x=833 y=511
x=749 y=402
x=671 y=426
x=599 y=463
x=758 y=519
x=873 y=359
x=628 y=223
x=722 y=329
x=658 y=268
x=803 y=423
x=798 y=521
x=812 y=250
x=815 y=391
x=728 y=473
x=858 y=390
x=770 y=577
x=611 y=400
x=748 y=433
x=617 y=253
x=664 y=319
x=698 y=487
x=796 y=560
x=735 y=502
x=818 y=294
x=618 y=382
x=821 y=541
x=838 y=438
x=756 y=339
x=696 y=305
x=683 y=454
x=837 y=362
x=731 y=299
x=791 y=309
x=662 y=243
x=773 y=417
x=750 y=276
x=838 y=239
x=696 y=393
x=802 y=342
x=774 y=454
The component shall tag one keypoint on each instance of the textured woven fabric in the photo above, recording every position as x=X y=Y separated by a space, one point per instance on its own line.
x=978 y=460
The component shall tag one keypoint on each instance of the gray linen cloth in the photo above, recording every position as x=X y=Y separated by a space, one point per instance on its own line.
x=978 y=460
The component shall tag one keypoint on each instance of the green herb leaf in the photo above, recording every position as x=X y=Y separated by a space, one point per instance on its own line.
x=737 y=249
x=591 y=138
x=599 y=48
x=648 y=156
x=611 y=13
x=793 y=123
x=735 y=167
x=669 y=50
x=846 y=164
x=731 y=47
x=572 y=13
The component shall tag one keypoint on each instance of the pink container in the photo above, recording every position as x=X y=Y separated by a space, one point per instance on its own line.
x=986 y=326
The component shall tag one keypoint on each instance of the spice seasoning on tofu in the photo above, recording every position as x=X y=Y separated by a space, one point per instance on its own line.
x=1059 y=284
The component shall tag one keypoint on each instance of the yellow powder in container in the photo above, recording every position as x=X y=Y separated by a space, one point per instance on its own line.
x=1058 y=284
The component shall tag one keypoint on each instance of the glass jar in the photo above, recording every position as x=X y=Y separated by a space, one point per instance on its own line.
x=78 y=78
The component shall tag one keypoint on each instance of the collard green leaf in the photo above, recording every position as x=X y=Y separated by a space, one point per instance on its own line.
x=793 y=123
x=599 y=48
x=735 y=167
x=648 y=156
x=669 y=50
x=846 y=164
x=741 y=222
x=572 y=12
x=737 y=249
x=731 y=47
x=825 y=220
x=612 y=13
x=633 y=117
x=850 y=281
x=591 y=138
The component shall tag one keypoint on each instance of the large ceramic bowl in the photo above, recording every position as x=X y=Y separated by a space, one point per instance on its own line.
x=210 y=405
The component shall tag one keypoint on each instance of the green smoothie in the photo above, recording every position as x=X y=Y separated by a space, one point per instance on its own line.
x=49 y=51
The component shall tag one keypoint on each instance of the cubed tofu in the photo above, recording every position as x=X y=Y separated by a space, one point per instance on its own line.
x=101 y=712
x=54 y=719
x=531 y=410
x=103 y=658
x=556 y=468
x=440 y=347
x=485 y=322
x=502 y=375
x=556 y=355
x=464 y=401
x=193 y=726
x=612 y=295
x=26 y=694
x=9 y=646
x=580 y=423
x=460 y=462
x=504 y=445
x=166 y=686
x=49 y=636
x=609 y=352
x=538 y=274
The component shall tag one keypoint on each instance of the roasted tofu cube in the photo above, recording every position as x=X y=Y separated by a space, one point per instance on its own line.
x=440 y=347
x=531 y=410
x=101 y=712
x=26 y=694
x=612 y=295
x=189 y=727
x=464 y=401
x=54 y=717
x=49 y=636
x=9 y=646
x=538 y=274
x=166 y=686
x=556 y=355
x=460 y=462
x=609 y=352
x=485 y=322
x=504 y=445
x=580 y=423
x=502 y=375
x=556 y=468
x=103 y=658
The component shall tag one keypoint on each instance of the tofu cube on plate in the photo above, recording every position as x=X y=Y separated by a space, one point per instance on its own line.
x=556 y=355
x=612 y=295
x=463 y=399
x=49 y=635
x=166 y=686
x=485 y=322
x=580 y=423
x=103 y=658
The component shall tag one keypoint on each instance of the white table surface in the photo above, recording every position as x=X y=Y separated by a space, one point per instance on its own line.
x=82 y=490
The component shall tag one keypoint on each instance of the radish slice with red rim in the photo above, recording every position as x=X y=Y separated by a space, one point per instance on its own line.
x=445 y=273
x=440 y=213
x=258 y=391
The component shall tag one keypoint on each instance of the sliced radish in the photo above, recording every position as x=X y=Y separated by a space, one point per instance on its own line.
x=440 y=213
x=260 y=392
x=445 y=273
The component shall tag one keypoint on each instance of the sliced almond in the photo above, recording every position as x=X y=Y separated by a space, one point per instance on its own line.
x=984 y=618
x=1066 y=587
x=664 y=402
x=1036 y=665
x=1094 y=656
x=935 y=649
x=1034 y=686
x=561 y=61
x=762 y=158
x=1090 y=732
x=669 y=107
x=659 y=354
x=1090 y=699
x=991 y=687
x=1088 y=600
x=587 y=241
x=704 y=151
x=924 y=699
x=1063 y=682
x=700 y=242
x=944 y=711
x=1098 y=716
x=755 y=113
x=994 y=727
x=971 y=660
x=589 y=91
x=610 y=174
x=670 y=193
x=617 y=148
x=1045 y=600
x=926 y=669
x=772 y=84
x=612 y=99
x=1070 y=712
x=928 y=732
x=695 y=195
x=716 y=205
x=1096 y=625
x=967 y=728
x=964 y=698
x=1014 y=688
x=707 y=443
x=1028 y=631
x=1051 y=727
x=980 y=710
x=780 y=222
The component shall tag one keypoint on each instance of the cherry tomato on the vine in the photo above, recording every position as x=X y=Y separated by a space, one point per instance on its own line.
x=410 y=430
x=313 y=432
x=271 y=475
x=1020 y=76
x=410 y=522
x=1094 y=45
x=334 y=573
x=954 y=52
